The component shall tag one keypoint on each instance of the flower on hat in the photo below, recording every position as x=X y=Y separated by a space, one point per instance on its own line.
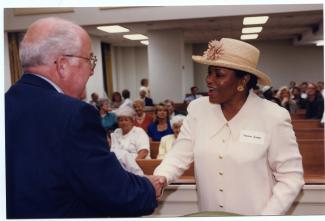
x=214 y=50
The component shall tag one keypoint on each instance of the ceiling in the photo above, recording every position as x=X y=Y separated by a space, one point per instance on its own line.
x=300 y=27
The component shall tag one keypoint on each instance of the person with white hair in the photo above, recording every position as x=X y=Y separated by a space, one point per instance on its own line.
x=128 y=137
x=57 y=161
x=167 y=142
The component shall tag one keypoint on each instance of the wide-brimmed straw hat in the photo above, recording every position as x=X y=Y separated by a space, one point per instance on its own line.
x=233 y=54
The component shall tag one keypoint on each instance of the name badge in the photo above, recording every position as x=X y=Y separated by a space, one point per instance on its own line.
x=250 y=136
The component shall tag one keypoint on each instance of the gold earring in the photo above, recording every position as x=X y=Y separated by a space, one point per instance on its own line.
x=240 y=88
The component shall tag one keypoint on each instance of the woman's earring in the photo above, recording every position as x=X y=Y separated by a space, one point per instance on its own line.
x=240 y=88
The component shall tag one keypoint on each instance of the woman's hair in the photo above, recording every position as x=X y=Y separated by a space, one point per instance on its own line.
x=281 y=89
x=116 y=93
x=156 y=110
x=58 y=42
x=252 y=83
x=141 y=102
x=102 y=101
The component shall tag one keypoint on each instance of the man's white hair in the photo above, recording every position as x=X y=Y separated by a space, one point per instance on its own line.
x=62 y=39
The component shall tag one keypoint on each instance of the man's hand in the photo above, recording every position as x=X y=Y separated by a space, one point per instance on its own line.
x=159 y=183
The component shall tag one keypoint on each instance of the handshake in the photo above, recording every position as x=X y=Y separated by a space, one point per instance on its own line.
x=159 y=183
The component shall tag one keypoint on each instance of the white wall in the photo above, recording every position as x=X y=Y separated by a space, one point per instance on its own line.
x=188 y=77
x=96 y=82
x=130 y=65
x=281 y=60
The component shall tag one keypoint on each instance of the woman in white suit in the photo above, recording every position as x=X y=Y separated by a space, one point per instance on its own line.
x=244 y=149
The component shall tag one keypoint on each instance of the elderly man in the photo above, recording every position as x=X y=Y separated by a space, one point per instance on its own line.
x=57 y=161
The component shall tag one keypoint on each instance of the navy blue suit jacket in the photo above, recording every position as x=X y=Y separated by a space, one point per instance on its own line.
x=57 y=159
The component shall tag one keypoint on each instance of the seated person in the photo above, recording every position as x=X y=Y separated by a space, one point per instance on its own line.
x=314 y=103
x=94 y=100
x=129 y=142
x=116 y=100
x=193 y=95
x=142 y=119
x=161 y=126
x=129 y=137
x=127 y=102
x=109 y=120
x=170 y=105
x=167 y=141
x=147 y=100
x=286 y=100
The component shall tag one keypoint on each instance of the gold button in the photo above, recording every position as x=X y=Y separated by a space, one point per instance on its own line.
x=220 y=173
x=220 y=157
x=221 y=190
x=223 y=140
x=221 y=206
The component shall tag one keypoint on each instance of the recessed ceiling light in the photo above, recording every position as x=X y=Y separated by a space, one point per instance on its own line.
x=255 y=20
x=251 y=30
x=146 y=42
x=135 y=37
x=113 y=29
x=248 y=37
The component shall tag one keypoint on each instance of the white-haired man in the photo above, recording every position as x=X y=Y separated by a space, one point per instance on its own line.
x=57 y=161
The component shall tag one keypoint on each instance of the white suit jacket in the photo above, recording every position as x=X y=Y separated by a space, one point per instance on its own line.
x=249 y=165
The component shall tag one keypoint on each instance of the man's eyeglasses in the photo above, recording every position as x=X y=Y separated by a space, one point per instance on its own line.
x=92 y=59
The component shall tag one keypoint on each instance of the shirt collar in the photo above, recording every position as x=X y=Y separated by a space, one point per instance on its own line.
x=50 y=82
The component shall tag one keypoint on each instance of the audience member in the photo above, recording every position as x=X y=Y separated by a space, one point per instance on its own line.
x=127 y=101
x=116 y=100
x=292 y=84
x=303 y=89
x=314 y=103
x=142 y=119
x=167 y=141
x=320 y=87
x=109 y=120
x=193 y=95
x=147 y=100
x=129 y=137
x=57 y=161
x=161 y=126
x=94 y=100
x=268 y=95
x=170 y=105
x=145 y=86
x=258 y=91
x=296 y=96
x=285 y=100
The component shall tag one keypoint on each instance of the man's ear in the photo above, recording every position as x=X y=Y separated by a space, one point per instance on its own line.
x=62 y=66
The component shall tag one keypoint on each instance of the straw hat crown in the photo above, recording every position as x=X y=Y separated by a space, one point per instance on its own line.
x=233 y=54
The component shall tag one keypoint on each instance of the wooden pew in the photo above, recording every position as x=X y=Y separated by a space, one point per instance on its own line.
x=309 y=133
x=298 y=124
x=313 y=157
x=300 y=114
x=148 y=166
x=312 y=151
x=154 y=149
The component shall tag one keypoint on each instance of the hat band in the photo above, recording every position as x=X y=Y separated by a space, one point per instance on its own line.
x=238 y=60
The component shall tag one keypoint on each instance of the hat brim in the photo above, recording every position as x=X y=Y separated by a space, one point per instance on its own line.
x=263 y=79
